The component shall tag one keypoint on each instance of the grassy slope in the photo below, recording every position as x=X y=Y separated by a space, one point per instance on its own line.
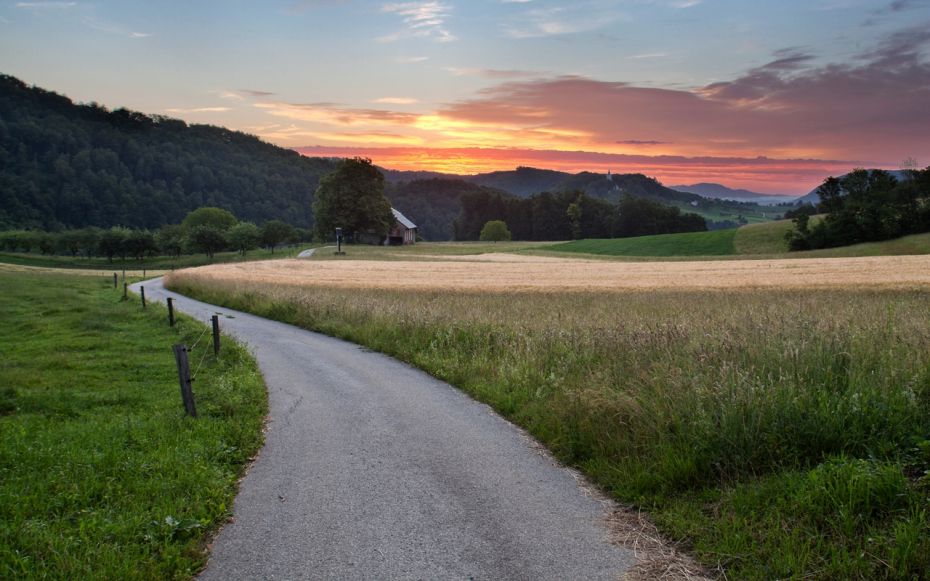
x=754 y=240
x=713 y=243
x=782 y=436
x=101 y=474
x=154 y=263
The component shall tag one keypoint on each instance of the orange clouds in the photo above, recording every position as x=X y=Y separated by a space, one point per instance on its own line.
x=774 y=128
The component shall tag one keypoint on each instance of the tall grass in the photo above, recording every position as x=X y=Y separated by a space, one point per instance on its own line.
x=779 y=432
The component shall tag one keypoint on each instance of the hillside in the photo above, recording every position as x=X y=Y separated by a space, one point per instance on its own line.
x=67 y=165
x=766 y=239
x=722 y=192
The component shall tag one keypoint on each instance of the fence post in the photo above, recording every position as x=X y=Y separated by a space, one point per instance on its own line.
x=125 y=291
x=170 y=312
x=184 y=378
x=216 y=335
x=115 y=280
x=142 y=293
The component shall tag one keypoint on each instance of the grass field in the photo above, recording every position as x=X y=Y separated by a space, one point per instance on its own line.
x=155 y=263
x=778 y=433
x=101 y=474
x=754 y=240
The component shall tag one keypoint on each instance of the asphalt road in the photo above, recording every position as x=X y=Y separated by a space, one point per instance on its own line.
x=372 y=469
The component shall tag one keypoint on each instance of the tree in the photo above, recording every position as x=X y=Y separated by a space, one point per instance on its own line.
x=352 y=198
x=170 y=239
x=574 y=216
x=217 y=218
x=494 y=231
x=207 y=239
x=139 y=243
x=71 y=241
x=243 y=237
x=276 y=232
x=112 y=242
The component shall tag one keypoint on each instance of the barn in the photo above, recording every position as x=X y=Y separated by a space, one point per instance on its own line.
x=403 y=232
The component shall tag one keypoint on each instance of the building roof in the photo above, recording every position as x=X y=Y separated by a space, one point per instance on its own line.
x=403 y=219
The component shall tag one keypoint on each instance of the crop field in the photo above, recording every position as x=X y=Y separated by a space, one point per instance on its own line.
x=513 y=272
x=778 y=426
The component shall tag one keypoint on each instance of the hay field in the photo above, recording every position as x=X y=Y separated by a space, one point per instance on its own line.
x=773 y=414
x=510 y=272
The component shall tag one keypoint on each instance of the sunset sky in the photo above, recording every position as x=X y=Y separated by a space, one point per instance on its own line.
x=771 y=96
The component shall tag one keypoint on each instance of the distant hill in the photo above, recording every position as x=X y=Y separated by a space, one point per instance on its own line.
x=813 y=198
x=523 y=181
x=722 y=192
x=67 y=165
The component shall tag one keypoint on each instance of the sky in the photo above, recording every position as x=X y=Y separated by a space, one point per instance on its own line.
x=769 y=96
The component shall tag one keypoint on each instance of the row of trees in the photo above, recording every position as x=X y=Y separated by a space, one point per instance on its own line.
x=865 y=206
x=570 y=215
x=206 y=230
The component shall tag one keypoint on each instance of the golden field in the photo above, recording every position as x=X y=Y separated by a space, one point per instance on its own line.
x=509 y=272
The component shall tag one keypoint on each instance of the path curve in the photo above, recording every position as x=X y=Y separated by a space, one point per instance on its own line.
x=372 y=469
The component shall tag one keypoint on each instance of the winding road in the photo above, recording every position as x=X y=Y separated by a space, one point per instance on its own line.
x=372 y=469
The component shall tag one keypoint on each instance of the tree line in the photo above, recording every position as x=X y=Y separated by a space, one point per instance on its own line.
x=864 y=206
x=205 y=230
x=570 y=215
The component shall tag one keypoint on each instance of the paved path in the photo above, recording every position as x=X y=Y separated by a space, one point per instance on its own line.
x=374 y=470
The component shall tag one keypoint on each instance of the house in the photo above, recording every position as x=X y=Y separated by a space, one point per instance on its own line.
x=403 y=232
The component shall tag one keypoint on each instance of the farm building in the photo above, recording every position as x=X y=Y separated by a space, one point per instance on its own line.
x=403 y=232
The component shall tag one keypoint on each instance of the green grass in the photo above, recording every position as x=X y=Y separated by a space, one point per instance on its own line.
x=101 y=474
x=152 y=263
x=713 y=243
x=765 y=240
x=780 y=434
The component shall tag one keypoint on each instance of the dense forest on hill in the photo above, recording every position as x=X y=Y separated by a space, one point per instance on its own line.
x=67 y=165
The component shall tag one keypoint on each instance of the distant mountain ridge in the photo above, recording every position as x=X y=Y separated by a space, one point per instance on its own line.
x=722 y=192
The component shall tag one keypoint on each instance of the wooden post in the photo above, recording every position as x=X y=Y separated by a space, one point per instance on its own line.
x=216 y=335
x=115 y=280
x=184 y=378
x=142 y=293
x=124 y=274
x=143 y=272
x=125 y=291
x=170 y=312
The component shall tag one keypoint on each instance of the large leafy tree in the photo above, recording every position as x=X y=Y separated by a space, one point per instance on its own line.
x=275 y=232
x=352 y=198
x=243 y=237
x=217 y=218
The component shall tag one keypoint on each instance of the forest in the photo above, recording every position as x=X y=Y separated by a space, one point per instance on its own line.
x=65 y=165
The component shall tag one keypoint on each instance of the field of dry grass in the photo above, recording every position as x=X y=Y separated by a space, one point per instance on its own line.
x=773 y=414
x=512 y=272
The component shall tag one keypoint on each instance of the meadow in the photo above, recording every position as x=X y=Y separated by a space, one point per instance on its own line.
x=102 y=476
x=776 y=432
x=750 y=241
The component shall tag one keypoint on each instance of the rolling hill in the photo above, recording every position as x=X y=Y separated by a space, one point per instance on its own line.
x=68 y=165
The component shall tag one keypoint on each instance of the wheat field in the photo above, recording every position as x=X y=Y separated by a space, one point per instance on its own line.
x=508 y=272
